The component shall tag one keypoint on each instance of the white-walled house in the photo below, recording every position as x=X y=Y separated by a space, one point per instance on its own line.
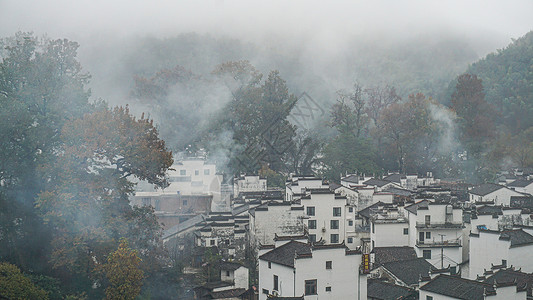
x=275 y=217
x=248 y=183
x=195 y=188
x=297 y=269
x=297 y=185
x=436 y=232
x=491 y=193
x=445 y=287
x=326 y=215
x=508 y=247
x=235 y=273
x=389 y=227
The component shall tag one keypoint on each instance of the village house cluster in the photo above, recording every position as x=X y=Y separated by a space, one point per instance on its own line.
x=399 y=236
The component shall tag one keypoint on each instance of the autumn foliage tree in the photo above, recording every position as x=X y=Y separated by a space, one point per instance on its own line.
x=86 y=200
x=14 y=285
x=123 y=272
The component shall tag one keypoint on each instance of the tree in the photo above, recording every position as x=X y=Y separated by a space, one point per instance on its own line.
x=474 y=114
x=347 y=153
x=14 y=285
x=410 y=133
x=86 y=200
x=123 y=273
x=42 y=86
x=348 y=113
x=379 y=98
x=257 y=117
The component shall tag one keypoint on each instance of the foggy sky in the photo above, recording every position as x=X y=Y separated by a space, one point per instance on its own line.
x=322 y=23
x=323 y=36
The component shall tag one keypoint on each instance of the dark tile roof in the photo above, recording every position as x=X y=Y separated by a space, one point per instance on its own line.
x=376 y=182
x=409 y=271
x=489 y=210
x=384 y=255
x=523 y=280
x=378 y=289
x=457 y=287
x=284 y=255
x=520 y=183
x=518 y=237
x=413 y=208
x=216 y=284
x=394 y=178
x=228 y=265
x=367 y=211
x=352 y=178
x=233 y=293
x=485 y=189
x=333 y=186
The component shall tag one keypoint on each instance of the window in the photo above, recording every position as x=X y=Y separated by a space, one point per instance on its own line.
x=373 y=227
x=453 y=270
x=310 y=210
x=426 y=254
x=328 y=289
x=183 y=172
x=328 y=264
x=336 y=211
x=227 y=273
x=185 y=202
x=429 y=297
x=265 y=291
x=350 y=240
x=428 y=219
x=206 y=172
x=276 y=287
x=311 y=224
x=350 y=223
x=428 y=235
x=269 y=265
x=146 y=201
x=310 y=287
x=334 y=224
x=157 y=204
x=504 y=262
x=196 y=172
x=212 y=242
x=334 y=238
x=312 y=238
x=406 y=231
x=350 y=209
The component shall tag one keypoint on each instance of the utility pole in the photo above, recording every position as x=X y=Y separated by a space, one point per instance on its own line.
x=441 y=251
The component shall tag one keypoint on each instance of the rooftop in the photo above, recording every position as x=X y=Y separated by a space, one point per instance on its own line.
x=520 y=183
x=523 y=280
x=228 y=265
x=384 y=255
x=351 y=178
x=376 y=182
x=457 y=287
x=409 y=271
x=413 y=208
x=485 y=189
x=285 y=254
x=518 y=237
x=378 y=289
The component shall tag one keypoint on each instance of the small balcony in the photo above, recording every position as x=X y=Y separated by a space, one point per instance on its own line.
x=438 y=244
x=445 y=225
